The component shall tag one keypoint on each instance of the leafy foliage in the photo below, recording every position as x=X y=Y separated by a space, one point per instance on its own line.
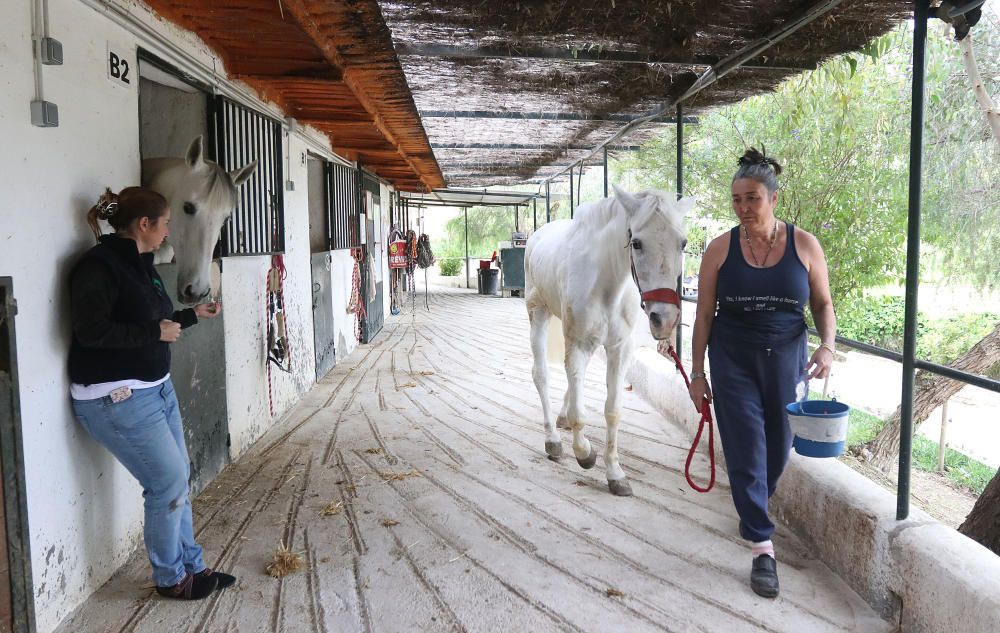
x=842 y=132
x=487 y=227
x=450 y=266
x=879 y=321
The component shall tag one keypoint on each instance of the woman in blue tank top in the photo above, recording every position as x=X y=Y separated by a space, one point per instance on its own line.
x=753 y=286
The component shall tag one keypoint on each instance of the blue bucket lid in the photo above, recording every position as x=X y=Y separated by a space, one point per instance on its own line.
x=818 y=408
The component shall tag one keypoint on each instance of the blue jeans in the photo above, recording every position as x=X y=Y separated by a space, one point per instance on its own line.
x=145 y=434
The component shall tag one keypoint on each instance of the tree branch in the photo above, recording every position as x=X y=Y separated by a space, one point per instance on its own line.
x=982 y=97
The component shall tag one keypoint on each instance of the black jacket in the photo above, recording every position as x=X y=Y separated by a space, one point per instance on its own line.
x=116 y=302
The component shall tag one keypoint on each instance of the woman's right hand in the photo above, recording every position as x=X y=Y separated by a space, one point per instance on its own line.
x=170 y=331
x=699 y=392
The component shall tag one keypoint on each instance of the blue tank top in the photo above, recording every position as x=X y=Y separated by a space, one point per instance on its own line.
x=761 y=305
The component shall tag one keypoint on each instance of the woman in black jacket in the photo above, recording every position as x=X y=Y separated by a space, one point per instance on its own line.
x=119 y=366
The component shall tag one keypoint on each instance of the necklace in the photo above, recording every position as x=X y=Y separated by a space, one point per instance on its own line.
x=774 y=235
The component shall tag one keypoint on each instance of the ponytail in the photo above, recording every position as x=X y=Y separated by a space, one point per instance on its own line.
x=121 y=209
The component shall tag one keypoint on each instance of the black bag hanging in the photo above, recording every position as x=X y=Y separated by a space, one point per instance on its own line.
x=425 y=257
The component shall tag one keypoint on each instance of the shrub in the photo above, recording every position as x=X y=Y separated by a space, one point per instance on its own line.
x=873 y=320
x=450 y=267
x=879 y=321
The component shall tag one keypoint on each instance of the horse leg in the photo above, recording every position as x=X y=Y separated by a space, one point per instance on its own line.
x=539 y=317
x=562 y=422
x=617 y=482
x=577 y=359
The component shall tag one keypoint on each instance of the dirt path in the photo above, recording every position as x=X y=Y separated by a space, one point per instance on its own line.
x=443 y=513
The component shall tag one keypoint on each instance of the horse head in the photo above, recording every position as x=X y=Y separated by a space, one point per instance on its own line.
x=656 y=241
x=201 y=195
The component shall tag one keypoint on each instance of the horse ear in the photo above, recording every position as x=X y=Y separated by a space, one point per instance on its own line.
x=195 y=154
x=240 y=176
x=630 y=202
x=686 y=205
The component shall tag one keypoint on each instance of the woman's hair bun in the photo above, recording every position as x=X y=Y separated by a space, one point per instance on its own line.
x=753 y=156
x=107 y=204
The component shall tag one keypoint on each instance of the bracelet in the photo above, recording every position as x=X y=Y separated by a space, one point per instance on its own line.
x=697 y=374
x=829 y=347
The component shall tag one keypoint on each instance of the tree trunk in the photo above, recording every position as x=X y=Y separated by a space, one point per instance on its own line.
x=931 y=392
x=983 y=523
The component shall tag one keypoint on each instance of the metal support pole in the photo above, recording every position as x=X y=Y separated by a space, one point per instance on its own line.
x=534 y=214
x=467 y=247
x=605 y=172
x=920 y=14
x=680 y=190
x=548 y=211
x=571 y=203
x=517 y=220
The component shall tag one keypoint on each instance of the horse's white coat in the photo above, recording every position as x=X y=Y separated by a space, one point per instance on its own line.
x=579 y=271
x=201 y=195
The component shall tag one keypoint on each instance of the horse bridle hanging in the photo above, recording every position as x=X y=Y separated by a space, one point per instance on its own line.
x=663 y=295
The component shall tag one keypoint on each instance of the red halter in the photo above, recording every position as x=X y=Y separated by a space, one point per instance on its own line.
x=665 y=295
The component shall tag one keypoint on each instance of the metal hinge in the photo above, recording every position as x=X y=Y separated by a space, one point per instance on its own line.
x=8 y=309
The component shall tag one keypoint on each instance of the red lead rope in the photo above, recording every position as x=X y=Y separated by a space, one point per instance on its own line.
x=706 y=418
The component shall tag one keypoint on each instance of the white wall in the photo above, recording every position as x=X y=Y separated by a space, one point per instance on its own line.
x=342 y=268
x=84 y=510
x=243 y=291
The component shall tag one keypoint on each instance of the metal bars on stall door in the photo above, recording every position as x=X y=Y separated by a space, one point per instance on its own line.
x=242 y=135
x=345 y=206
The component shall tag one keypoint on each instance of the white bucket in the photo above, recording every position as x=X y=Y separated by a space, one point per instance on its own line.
x=819 y=426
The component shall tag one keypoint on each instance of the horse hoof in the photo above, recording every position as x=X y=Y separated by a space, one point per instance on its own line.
x=553 y=450
x=589 y=461
x=563 y=423
x=620 y=487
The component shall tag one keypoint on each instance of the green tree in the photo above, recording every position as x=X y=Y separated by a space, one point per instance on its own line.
x=840 y=133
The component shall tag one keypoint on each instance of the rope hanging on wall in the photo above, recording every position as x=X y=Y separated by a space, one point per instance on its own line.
x=279 y=352
x=356 y=304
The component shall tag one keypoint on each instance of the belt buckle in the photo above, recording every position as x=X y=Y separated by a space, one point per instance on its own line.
x=121 y=394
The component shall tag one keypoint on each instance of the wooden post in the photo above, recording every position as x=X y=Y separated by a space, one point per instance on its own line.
x=942 y=439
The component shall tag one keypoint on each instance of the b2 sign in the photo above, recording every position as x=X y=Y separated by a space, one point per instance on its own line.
x=121 y=69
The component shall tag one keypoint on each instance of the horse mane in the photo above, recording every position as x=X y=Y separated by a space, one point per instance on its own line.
x=597 y=215
x=220 y=192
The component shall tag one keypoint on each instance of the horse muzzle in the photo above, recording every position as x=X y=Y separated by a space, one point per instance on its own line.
x=190 y=295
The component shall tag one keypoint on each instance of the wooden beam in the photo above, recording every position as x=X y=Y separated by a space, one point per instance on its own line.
x=302 y=15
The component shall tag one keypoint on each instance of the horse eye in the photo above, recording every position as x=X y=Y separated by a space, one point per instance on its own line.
x=636 y=244
x=189 y=208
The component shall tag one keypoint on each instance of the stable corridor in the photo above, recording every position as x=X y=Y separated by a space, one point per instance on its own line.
x=413 y=482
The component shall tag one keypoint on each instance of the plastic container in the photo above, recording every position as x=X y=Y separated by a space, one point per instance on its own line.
x=488 y=281
x=819 y=427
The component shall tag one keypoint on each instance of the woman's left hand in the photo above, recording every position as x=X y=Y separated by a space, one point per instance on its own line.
x=208 y=310
x=820 y=364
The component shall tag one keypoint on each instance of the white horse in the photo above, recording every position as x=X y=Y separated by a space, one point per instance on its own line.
x=201 y=195
x=582 y=271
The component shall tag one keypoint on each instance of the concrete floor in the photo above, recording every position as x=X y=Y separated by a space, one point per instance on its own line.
x=448 y=517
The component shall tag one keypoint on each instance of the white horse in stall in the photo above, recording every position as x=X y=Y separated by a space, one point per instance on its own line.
x=201 y=195
x=579 y=270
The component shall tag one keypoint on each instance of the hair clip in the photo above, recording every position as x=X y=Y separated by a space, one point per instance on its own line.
x=108 y=209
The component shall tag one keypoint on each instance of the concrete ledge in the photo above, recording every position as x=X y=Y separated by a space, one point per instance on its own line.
x=918 y=572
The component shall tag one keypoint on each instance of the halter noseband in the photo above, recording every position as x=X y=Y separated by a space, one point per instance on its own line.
x=664 y=295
